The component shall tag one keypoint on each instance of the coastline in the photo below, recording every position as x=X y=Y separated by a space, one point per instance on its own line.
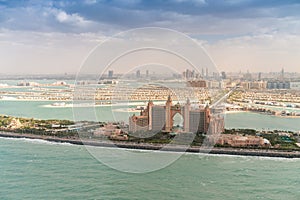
x=261 y=113
x=158 y=147
x=234 y=111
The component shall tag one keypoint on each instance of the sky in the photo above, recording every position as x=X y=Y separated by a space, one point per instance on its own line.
x=48 y=36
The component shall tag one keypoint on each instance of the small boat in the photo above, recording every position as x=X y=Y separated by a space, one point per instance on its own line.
x=59 y=104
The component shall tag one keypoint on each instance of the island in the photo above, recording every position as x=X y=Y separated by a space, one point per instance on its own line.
x=247 y=142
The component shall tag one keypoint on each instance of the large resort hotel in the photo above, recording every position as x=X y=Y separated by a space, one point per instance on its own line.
x=160 y=118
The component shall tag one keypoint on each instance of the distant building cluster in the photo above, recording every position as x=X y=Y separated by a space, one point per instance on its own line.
x=295 y=85
x=160 y=118
x=210 y=84
x=28 y=84
x=59 y=83
x=215 y=84
x=190 y=74
x=233 y=140
x=112 y=131
x=278 y=85
x=197 y=83
x=35 y=84
x=259 y=85
x=271 y=81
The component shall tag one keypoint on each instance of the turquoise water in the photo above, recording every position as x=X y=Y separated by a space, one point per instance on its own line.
x=38 y=109
x=33 y=169
x=45 y=81
x=261 y=121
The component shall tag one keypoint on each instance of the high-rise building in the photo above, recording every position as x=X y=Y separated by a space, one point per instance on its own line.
x=278 y=85
x=259 y=85
x=110 y=73
x=259 y=76
x=160 y=118
x=247 y=76
x=138 y=74
x=282 y=75
x=223 y=75
x=197 y=83
x=295 y=85
x=193 y=74
x=188 y=74
x=216 y=75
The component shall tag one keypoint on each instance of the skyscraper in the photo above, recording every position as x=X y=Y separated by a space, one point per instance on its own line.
x=282 y=74
x=223 y=74
x=259 y=76
x=161 y=118
x=138 y=74
x=110 y=73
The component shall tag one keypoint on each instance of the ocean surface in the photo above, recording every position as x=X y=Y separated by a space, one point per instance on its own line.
x=44 y=110
x=34 y=169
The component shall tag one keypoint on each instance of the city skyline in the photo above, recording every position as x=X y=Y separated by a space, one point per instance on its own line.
x=238 y=35
x=149 y=99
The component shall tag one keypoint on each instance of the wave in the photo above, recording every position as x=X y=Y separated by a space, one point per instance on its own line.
x=200 y=155
x=37 y=141
x=8 y=98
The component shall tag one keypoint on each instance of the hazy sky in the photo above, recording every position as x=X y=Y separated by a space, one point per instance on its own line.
x=55 y=36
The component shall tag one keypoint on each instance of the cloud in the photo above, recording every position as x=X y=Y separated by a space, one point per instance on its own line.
x=46 y=19
x=198 y=2
x=90 y=2
x=25 y=52
x=72 y=19
x=238 y=34
x=195 y=16
x=264 y=52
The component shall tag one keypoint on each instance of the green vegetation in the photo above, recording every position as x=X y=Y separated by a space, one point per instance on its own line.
x=52 y=127
x=143 y=137
x=165 y=138
x=284 y=140
x=241 y=131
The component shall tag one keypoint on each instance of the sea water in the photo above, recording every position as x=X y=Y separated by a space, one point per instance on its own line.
x=35 y=169
x=44 y=110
